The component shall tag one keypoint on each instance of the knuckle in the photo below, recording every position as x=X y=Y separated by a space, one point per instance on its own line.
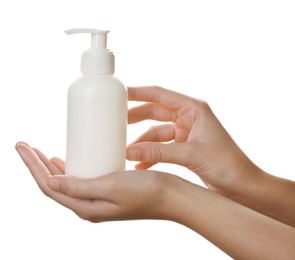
x=156 y=87
x=75 y=190
x=203 y=106
x=156 y=153
x=157 y=92
x=72 y=189
x=154 y=132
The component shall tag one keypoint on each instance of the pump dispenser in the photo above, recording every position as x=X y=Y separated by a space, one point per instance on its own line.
x=97 y=59
x=97 y=113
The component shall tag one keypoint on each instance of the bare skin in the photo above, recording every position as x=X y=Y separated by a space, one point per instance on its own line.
x=200 y=143
x=240 y=212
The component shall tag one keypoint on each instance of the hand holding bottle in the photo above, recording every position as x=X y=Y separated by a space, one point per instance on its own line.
x=157 y=195
x=114 y=196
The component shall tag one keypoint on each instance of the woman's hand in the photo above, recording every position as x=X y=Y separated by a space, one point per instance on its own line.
x=197 y=139
x=115 y=196
x=237 y=230
x=199 y=142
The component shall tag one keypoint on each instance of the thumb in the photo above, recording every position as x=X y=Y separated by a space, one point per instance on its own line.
x=154 y=152
x=95 y=188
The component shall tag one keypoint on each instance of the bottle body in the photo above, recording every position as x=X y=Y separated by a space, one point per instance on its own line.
x=96 y=126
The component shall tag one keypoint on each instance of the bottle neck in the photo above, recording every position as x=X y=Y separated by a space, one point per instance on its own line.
x=98 y=62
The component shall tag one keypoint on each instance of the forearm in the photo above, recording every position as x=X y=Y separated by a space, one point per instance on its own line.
x=235 y=229
x=268 y=194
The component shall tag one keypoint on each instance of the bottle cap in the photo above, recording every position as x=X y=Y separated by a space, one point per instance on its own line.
x=97 y=59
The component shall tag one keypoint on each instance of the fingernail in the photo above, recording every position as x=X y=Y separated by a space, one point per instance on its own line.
x=54 y=183
x=133 y=154
x=21 y=143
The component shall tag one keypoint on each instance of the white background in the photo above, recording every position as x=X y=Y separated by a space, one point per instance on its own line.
x=237 y=55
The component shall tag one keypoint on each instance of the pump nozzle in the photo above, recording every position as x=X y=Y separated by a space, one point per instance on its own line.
x=98 y=37
x=97 y=59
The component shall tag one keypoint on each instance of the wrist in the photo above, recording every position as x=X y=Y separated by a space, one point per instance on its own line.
x=165 y=201
x=247 y=181
x=181 y=197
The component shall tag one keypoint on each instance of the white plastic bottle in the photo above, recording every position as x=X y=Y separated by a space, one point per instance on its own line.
x=97 y=113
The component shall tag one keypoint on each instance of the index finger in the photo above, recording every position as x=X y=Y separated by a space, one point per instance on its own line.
x=167 y=98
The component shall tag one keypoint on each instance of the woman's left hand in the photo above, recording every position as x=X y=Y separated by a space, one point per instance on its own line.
x=114 y=196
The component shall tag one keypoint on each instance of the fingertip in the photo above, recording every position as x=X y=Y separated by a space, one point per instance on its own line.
x=130 y=120
x=133 y=154
x=140 y=166
x=25 y=152
x=143 y=166
x=56 y=160
x=21 y=143
x=59 y=163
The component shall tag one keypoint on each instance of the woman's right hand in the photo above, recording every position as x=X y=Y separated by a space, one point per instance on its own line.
x=197 y=140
